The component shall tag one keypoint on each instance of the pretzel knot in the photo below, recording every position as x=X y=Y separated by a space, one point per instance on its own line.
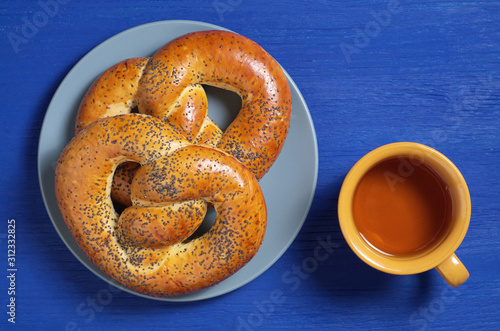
x=148 y=248
x=168 y=85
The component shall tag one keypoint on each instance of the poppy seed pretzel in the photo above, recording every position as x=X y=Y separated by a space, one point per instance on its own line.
x=145 y=248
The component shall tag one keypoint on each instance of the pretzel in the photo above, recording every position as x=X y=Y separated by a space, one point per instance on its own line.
x=168 y=86
x=147 y=247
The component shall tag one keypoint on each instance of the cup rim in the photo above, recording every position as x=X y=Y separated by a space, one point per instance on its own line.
x=402 y=265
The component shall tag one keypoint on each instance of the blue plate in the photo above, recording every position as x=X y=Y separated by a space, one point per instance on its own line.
x=288 y=187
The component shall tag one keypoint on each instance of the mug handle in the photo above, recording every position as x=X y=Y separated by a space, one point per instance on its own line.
x=453 y=271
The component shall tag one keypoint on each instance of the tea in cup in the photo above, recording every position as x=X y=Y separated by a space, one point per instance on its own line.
x=404 y=208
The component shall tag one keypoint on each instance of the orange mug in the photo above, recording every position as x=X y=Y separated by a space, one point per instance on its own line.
x=404 y=208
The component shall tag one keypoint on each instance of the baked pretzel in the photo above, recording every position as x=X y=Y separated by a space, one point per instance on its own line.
x=146 y=248
x=168 y=86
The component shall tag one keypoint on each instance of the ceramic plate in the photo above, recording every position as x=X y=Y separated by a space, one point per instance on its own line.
x=288 y=187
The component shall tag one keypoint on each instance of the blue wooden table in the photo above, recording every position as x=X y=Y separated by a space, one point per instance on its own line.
x=371 y=72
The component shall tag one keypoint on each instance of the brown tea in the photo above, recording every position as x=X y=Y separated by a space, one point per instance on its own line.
x=401 y=206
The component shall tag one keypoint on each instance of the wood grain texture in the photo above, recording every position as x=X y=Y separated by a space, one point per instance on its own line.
x=429 y=72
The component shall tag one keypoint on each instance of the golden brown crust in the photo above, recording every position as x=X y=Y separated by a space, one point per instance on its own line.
x=230 y=61
x=114 y=92
x=175 y=177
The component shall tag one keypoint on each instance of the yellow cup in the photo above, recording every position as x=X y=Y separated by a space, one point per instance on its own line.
x=439 y=255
